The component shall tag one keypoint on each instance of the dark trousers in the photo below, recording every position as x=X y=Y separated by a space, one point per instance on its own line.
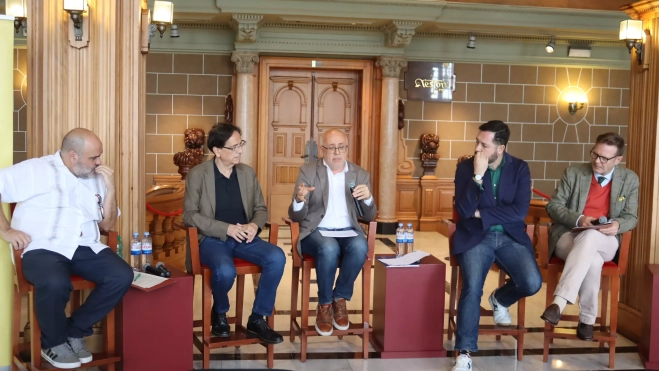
x=218 y=256
x=50 y=274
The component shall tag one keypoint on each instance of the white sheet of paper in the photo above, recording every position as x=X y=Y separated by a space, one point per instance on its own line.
x=346 y=233
x=406 y=260
x=146 y=280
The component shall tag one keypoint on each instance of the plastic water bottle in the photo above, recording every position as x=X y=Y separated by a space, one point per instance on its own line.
x=120 y=247
x=135 y=252
x=409 y=239
x=147 y=249
x=400 y=240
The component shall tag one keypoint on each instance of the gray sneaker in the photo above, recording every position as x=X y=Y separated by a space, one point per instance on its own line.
x=61 y=356
x=79 y=348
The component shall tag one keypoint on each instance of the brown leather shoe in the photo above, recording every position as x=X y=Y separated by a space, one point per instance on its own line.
x=585 y=332
x=324 y=319
x=340 y=319
x=552 y=314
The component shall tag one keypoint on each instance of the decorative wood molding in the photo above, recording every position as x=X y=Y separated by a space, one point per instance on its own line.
x=246 y=26
x=245 y=61
x=145 y=38
x=644 y=10
x=398 y=34
x=405 y=166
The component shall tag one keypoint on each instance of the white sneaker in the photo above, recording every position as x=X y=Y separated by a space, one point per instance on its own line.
x=501 y=314
x=462 y=363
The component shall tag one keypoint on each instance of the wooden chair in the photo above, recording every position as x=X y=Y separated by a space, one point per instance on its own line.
x=306 y=263
x=203 y=340
x=516 y=331
x=108 y=358
x=611 y=272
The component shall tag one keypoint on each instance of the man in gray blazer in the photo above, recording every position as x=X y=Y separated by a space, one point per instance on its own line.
x=322 y=202
x=223 y=200
x=586 y=193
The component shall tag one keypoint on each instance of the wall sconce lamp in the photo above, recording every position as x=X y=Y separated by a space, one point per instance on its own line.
x=631 y=31
x=79 y=13
x=576 y=100
x=471 y=44
x=17 y=9
x=573 y=107
x=163 y=15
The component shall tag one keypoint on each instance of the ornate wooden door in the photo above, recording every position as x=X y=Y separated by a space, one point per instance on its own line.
x=332 y=102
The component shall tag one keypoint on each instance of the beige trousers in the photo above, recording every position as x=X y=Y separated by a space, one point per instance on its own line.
x=584 y=254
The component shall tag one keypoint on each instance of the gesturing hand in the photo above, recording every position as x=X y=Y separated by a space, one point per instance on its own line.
x=302 y=191
x=361 y=192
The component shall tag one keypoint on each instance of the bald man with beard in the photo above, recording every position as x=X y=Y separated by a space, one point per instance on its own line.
x=323 y=201
x=63 y=201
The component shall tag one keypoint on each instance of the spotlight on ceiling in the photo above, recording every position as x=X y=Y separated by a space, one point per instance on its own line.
x=551 y=45
x=472 y=41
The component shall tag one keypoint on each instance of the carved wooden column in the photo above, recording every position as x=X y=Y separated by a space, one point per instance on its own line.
x=408 y=200
x=101 y=87
x=388 y=142
x=643 y=139
x=246 y=95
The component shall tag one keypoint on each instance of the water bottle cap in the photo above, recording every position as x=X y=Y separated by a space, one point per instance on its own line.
x=135 y=234
x=146 y=234
x=400 y=224
x=409 y=224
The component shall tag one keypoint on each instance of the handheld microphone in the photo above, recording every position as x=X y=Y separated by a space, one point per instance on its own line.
x=602 y=220
x=161 y=267
x=352 y=186
x=151 y=270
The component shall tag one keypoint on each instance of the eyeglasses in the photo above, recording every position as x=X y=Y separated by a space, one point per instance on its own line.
x=603 y=159
x=333 y=149
x=239 y=145
x=100 y=205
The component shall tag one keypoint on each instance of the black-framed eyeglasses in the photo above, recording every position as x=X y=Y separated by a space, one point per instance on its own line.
x=333 y=149
x=239 y=145
x=603 y=159
x=100 y=205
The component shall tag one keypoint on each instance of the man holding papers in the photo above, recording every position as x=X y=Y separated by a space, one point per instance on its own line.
x=492 y=195
x=323 y=205
x=588 y=194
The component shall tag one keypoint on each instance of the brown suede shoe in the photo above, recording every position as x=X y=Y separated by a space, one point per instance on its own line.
x=340 y=319
x=552 y=314
x=324 y=319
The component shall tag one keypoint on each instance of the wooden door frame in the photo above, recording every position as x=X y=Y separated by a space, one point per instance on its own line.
x=268 y=63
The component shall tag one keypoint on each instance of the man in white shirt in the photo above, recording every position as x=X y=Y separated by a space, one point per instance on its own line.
x=62 y=201
x=323 y=201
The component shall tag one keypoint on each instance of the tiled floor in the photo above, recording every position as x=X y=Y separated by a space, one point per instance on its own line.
x=331 y=354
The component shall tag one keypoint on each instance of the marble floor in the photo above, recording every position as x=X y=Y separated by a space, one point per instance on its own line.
x=331 y=354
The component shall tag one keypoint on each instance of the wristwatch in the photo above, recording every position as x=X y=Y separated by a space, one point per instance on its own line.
x=478 y=177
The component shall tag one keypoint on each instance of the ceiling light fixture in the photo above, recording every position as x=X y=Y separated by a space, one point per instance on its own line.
x=551 y=45
x=471 y=44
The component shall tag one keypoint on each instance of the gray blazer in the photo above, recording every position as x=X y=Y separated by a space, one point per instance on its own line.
x=199 y=204
x=314 y=174
x=567 y=204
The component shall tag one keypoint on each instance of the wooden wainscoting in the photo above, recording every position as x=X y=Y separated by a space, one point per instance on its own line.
x=424 y=202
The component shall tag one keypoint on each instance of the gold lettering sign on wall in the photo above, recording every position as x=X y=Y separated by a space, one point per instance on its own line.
x=429 y=81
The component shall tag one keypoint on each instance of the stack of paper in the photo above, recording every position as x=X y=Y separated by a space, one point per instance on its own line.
x=406 y=260
x=146 y=281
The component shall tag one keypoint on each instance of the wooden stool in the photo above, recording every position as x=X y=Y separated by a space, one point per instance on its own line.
x=516 y=331
x=306 y=263
x=611 y=273
x=203 y=340
x=107 y=358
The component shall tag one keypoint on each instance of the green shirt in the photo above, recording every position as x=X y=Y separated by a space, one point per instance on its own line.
x=495 y=175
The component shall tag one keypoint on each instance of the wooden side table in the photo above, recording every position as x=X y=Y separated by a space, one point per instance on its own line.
x=408 y=309
x=154 y=328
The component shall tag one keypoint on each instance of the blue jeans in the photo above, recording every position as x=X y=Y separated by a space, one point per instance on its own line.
x=515 y=259
x=218 y=256
x=50 y=273
x=327 y=251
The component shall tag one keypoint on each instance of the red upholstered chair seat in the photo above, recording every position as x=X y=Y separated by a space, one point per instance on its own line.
x=237 y=262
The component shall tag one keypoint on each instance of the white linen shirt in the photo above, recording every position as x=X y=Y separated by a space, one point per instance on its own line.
x=58 y=210
x=336 y=215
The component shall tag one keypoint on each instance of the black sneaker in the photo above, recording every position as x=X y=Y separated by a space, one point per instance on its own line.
x=220 y=325
x=260 y=329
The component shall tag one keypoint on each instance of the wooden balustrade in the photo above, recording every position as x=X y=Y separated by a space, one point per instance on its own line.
x=164 y=224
